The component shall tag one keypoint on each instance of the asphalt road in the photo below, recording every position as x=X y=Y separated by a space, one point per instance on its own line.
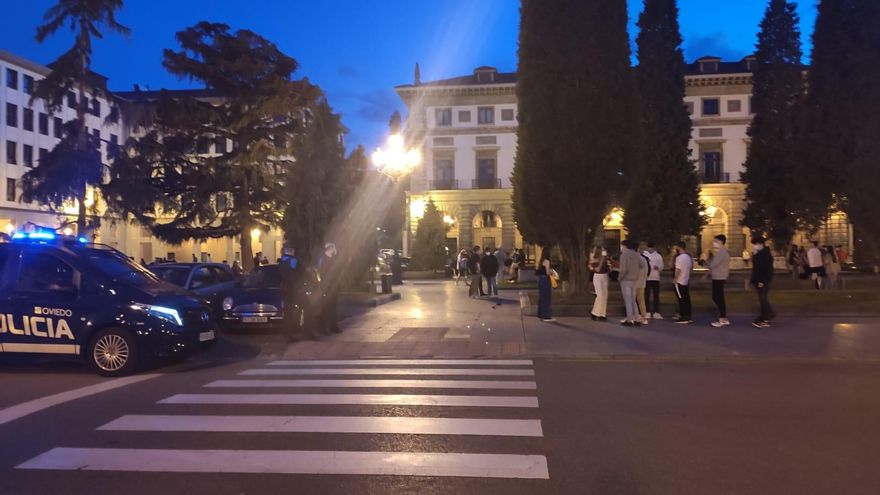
x=548 y=426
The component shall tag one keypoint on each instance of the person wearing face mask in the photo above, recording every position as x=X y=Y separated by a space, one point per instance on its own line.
x=652 y=284
x=601 y=267
x=762 y=275
x=719 y=270
x=631 y=265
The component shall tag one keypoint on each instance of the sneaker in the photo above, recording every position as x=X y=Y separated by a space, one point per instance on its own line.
x=682 y=321
x=761 y=324
x=548 y=320
x=658 y=316
x=627 y=323
x=602 y=318
x=644 y=321
x=723 y=322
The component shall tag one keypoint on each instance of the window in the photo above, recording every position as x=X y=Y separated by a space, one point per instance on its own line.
x=71 y=99
x=203 y=146
x=507 y=114
x=444 y=173
x=222 y=202
x=486 y=171
x=27 y=119
x=201 y=277
x=734 y=105
x=58 y=127
x=42 y=272
x=220 y=145
x=43 y=153
x=711 y=106
x=486 y=115
x=28 y=155
x=28 y=83
x=11 y=115
x=221 y=275
x=96 y=107
x=44 y=124
x=443 y=116
x=11 y=79
x=464 y=116
x=10 y=190
x=711 y=163
x=11 y=152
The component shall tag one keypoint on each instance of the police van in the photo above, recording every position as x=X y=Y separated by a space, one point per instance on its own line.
x=64 y=297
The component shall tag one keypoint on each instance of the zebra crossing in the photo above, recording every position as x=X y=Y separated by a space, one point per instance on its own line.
x=496 y=398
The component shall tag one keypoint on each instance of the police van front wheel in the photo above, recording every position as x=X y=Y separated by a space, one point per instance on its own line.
x=112 y=352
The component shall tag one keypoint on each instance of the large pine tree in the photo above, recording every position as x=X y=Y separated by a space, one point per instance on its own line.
x=429 y=245
x=576 y=123
x=74 y=165
x=777 y=204
x=663 y=204
x=843 y=142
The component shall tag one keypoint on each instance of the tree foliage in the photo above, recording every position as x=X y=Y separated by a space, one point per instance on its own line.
x=843 y=106
x=171 y=185
x=576 y=123
x=75 y=163
x=663 y=202
x=429 y=245
x=777 y=203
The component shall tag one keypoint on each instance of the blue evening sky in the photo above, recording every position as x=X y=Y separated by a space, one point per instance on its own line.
x=358 y=50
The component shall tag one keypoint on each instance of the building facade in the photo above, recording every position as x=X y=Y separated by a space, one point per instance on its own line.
x=28 y=131
x=467 y=129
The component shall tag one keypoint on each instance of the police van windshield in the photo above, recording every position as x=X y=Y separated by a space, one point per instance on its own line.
x=116 y=266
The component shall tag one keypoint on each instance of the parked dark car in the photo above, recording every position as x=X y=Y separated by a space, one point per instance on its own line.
x=212 y=281
x=258 y=300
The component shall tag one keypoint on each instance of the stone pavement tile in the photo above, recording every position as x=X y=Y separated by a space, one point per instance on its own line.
x=332 y=348
x=511 y=348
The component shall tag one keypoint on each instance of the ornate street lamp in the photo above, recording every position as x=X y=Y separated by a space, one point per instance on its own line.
x=396 y=160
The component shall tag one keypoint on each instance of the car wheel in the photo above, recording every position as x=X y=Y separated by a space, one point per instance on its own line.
x=112 y=352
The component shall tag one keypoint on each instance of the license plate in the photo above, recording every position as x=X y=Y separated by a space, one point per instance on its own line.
x=254 y=319
x=205 y=336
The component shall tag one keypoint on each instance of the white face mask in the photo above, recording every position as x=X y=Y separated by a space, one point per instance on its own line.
x=716 y=244
x=604 y=253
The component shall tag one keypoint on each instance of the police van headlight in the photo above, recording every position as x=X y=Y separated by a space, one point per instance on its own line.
x=227 y=303
x=170 y=315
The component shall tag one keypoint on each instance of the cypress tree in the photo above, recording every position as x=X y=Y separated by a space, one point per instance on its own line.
x=429 y=245
x=842 y=145
x=777 y=204
x=575 y=90
x=663 y=204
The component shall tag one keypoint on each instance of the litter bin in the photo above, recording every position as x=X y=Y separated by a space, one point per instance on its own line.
x=386 y=283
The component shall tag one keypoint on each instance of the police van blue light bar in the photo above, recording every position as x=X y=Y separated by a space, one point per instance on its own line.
x=37 y=236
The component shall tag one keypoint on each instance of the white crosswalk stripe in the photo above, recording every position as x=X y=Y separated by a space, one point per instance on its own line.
x=294 y=413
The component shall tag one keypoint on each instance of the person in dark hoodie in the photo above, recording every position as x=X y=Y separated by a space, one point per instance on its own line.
x=489 y=269
x=762 y=275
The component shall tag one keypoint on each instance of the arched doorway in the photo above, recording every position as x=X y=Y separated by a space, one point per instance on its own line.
x=716 y=223
x=487 y=229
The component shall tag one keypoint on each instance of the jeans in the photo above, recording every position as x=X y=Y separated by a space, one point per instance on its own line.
x=544 y=297
x=766 y=311
x=492 y=286
x=682 y=292
x=628 y=288
x=652 y=296
x=600 y=305
x=718 y=297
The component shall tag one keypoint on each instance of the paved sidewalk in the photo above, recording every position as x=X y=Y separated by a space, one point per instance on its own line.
x=437 y=319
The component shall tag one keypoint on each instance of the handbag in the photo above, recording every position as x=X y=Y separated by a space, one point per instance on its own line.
x=554 y=279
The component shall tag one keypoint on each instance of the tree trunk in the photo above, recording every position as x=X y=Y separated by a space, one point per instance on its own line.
x=244 y=221
x=574 y=252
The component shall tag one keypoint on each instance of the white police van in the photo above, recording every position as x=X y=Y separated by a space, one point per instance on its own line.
x=65 y=298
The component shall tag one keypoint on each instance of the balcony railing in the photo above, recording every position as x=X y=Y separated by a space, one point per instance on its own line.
x=486 y=184
x=443 y=184
x=715 y=178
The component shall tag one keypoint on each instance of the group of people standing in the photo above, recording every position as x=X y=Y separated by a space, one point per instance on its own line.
x=817 y=263
x=638 y=271
x=476 y=265
x=292 y=271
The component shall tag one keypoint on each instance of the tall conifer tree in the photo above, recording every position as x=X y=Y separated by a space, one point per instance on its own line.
x=576 y=120
x=663 y=204
x=777 y=203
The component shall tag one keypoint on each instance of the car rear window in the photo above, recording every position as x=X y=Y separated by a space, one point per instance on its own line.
x=173 y=274
x=116 y=266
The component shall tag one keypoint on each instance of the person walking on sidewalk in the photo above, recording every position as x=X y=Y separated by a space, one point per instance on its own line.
x=683 y=266
x=762 y=275
x=652 y=284
x=719 y=270
x=630 y=265
x=489 y=269
x=816 y=265
x=473 y=269
x=601 y=266
x=543 y=271
x=461 y=266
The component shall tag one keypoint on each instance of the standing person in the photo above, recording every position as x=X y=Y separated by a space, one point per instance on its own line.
x=473 y=269
x=489 y=269
x=501 y=258
x=330 y=285
x=258 y=258
x=514 y=266
x=601 y=267
x=652 y=285
x=194 y=259
x=290 y=279
x=236 y=269
x=641 y=285
x=762 y=275
x=832 y=266
x=630 y=264
x=542 y=270
x=719 y=270
x=683 y=266
x=842 y=255
x=461 y=266
x=792 y=261
x=815 y=265
x=264 y=261
x=747 y=257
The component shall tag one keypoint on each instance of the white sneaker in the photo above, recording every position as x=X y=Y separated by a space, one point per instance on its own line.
x=658 y=316
x=644 y=321
x=723 y=322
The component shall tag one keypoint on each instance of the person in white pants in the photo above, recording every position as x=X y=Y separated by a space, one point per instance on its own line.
x=600 y=266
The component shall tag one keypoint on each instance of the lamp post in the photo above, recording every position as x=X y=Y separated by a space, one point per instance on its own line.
x=396 y=160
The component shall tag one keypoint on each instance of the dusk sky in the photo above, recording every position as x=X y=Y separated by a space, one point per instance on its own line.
x=358 y=50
